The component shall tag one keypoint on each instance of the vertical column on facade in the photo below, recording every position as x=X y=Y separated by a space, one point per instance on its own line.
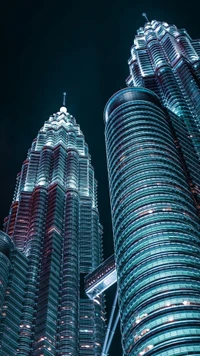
x=90 y=322
x=13 y=286
x=33 y=252
x=174 y=101
x=49 y=138
x=14 y=302
x=40 y=140
x=86 y=314
x=31 y=176
x=156 y=229
x=61 y=137
x=187 y=148
x=80 y=144
x=196 y=45
x=9 y=221
x=59 y=165
x=68 y=335
x=171 y=96
x=188 y=86
x=72 y=169
x=158 y=59
x=144 y=62
x=86 y=310
x=96 y=257
x=169 y=45
x=156 y=53
x=21 y=220
x=45 y=166
x=48 y=290
x=185 y=46
x=71 y=139
x=196 y=70
x=22 y=179
x=16 y=186
x=83 y=176
x=5 y=265
x=85 y=236
x=99 y=326
x=16 y=224
x=91 y=185
x=136 y=78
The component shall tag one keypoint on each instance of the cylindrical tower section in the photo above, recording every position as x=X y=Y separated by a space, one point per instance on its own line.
x=156 y=229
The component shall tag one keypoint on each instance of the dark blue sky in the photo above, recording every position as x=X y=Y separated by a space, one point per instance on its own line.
x=80 y=47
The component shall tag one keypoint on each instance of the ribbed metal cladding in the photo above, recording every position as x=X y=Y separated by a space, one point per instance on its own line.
x=155 y=227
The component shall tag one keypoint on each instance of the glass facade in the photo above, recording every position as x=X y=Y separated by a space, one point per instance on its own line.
x=56 y=239
x=152 y=143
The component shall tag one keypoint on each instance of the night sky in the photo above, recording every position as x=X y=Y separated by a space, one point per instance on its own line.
x=80 y=47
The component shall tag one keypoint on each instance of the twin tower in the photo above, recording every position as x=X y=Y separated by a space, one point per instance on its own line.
x=52 y=236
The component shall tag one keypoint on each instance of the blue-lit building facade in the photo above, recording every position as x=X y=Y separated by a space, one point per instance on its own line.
x=153 y=156
x=52 y=239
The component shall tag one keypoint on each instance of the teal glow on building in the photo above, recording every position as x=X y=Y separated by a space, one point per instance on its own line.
x=153 y=155
x=52 y=239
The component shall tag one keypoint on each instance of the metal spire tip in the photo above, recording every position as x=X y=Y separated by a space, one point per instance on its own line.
x=64 y=97
x=145 y=16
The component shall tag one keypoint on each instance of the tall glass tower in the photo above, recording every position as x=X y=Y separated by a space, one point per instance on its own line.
x=153 y=155
x=52 y=239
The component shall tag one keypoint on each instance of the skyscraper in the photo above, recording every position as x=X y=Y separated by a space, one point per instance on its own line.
x=52 y=239
x=153 y=155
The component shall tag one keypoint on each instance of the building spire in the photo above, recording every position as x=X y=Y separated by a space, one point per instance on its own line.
x=64 y=97
x=63 y=107
x=145 y=16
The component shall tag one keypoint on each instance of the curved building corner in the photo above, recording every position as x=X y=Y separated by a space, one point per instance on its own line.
x=155 y=228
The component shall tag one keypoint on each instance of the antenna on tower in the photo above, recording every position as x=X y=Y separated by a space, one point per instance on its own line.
x=145 y=16
x=64 y=97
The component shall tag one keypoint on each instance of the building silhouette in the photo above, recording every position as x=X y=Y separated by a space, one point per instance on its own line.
x=153 y=155
x=52 y=239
